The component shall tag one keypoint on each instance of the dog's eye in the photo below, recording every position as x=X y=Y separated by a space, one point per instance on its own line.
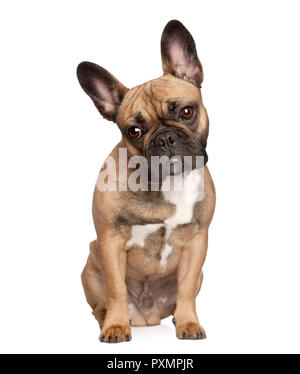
x=135 y=132
x=186 y=112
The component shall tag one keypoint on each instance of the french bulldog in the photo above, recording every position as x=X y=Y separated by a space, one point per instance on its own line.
x=146 y=263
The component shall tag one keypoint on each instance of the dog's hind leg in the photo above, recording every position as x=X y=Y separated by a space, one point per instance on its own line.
x=93 y=284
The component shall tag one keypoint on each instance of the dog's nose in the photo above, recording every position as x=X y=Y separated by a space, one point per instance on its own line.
x=166 y=139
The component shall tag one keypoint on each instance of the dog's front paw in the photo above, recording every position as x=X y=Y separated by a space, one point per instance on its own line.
x=115 y=334
x=189 y=330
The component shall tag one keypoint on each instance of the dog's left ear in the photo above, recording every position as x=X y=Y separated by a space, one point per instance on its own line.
x=102 y=87
x=179 y=54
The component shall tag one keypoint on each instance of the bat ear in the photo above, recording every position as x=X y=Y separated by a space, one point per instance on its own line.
x=179 y=54
x=102 y=87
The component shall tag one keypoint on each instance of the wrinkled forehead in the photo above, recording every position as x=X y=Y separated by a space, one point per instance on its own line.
x=151 y=100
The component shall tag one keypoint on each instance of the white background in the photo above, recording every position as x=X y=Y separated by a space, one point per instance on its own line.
x=53 y=142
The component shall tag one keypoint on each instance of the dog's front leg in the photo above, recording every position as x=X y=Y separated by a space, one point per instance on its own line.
x=189 y=278
x=113 y=257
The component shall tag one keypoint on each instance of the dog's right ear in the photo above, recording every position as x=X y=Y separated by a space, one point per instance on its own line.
x=102 y=87
x=179 y=54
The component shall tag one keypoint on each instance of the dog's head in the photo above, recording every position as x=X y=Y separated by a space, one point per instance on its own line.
x=163 y=117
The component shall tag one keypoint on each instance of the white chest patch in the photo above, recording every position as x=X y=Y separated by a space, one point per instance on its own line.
x=140 y=232
x=184 y=199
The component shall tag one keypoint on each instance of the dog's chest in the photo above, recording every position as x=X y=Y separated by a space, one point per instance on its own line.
x=158 y=241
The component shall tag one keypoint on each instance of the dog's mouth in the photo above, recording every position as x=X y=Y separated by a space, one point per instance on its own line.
x=172 y=151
